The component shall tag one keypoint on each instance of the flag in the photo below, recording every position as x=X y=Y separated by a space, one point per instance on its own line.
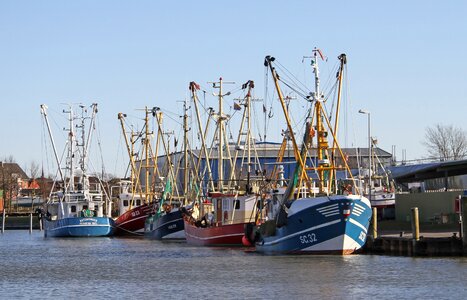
x=237 y=106
x=194 y=86
x=165 y=195
x=321 y=54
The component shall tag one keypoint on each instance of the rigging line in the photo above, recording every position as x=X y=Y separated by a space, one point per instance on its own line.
x=255 y=119
x=347 y=104
x=44 y=143
x=331 y=77
x=119 y=151
x=293 y=89
x=99 y=143
x=291 y=76
x=173 y=119
x=333 y=102
x=268 y=118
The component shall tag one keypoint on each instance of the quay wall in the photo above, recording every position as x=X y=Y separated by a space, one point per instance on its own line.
x=434 y=207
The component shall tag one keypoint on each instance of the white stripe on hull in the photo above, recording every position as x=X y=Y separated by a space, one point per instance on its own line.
x=132 y=220
x=178 y=235
x=356 y=223
x=342 y=243
x=301 y=232
x=83 y=225
x=213 y=237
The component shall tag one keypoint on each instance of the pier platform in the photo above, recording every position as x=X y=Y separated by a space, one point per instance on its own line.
x=396 y=238
x=20 y=221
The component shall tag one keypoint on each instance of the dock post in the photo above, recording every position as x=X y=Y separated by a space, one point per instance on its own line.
x=374 y=222
x=415 y=224
x=40 y=224
x=30 y=223
x=463 y=219
x=3 y=221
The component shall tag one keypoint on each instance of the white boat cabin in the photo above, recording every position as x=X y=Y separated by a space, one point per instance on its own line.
x=80 y=203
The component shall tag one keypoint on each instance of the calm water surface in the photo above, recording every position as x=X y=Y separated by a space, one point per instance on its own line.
x=32 y=266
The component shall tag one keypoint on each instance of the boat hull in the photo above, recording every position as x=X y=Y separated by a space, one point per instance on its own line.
x=383 y=200
x=79 y=227
x=166 y=226
x=132 y=222
x=223 y=235
x=323 y=225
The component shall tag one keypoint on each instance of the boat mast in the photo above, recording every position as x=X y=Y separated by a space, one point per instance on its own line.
x=202 y=133
x=221 y=128
x=91 y=130
x=343 y=61
x=185 y=153
x=159 y=115
x=44 y=113
x=268 y=62
x=129 y=144
x=146 y=154
x=246 y=116
x=71 y=149
x=251 y=85
x=322 y=144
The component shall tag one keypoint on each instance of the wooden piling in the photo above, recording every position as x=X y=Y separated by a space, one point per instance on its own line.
x=463 y=219
x=415 y=224
x=375 y=222
x=3 y=221
x=30 y=223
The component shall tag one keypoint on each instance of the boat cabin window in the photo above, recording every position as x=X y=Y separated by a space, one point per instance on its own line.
x=225 y=204
x=73 y=208
x=125 y=203
x=138 y=202
x=237 y=204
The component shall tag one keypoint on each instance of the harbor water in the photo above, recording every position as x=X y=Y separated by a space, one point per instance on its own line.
x=32 y=266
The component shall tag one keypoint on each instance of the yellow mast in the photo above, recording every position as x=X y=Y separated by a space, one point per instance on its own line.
x=185 y=153
x=343 y=61
x=267 y=62
x=193 y=88
x=146 y=154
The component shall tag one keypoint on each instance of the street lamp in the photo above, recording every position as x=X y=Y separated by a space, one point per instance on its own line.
x=370 y=183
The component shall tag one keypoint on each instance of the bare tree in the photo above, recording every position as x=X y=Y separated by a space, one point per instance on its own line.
x=10 y=159
x=33 y=169
x=446 y=142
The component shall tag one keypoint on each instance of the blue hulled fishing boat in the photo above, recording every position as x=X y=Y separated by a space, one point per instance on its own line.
x=76 y=207
x=315 y=212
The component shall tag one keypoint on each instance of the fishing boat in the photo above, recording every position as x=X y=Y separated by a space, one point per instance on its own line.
x=136 y=200
x=166 y=221
x=76 y=208
x=313 y=214
x=378 y=187
x=218 y=218
x=132 y=210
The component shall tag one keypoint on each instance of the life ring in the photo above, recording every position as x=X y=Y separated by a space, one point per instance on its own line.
x=347 y=190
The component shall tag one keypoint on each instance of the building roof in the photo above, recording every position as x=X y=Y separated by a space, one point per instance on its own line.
x=421 y=172
x=12 y=168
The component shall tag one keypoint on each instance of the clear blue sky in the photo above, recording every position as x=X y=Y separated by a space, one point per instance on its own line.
x=407 y=60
